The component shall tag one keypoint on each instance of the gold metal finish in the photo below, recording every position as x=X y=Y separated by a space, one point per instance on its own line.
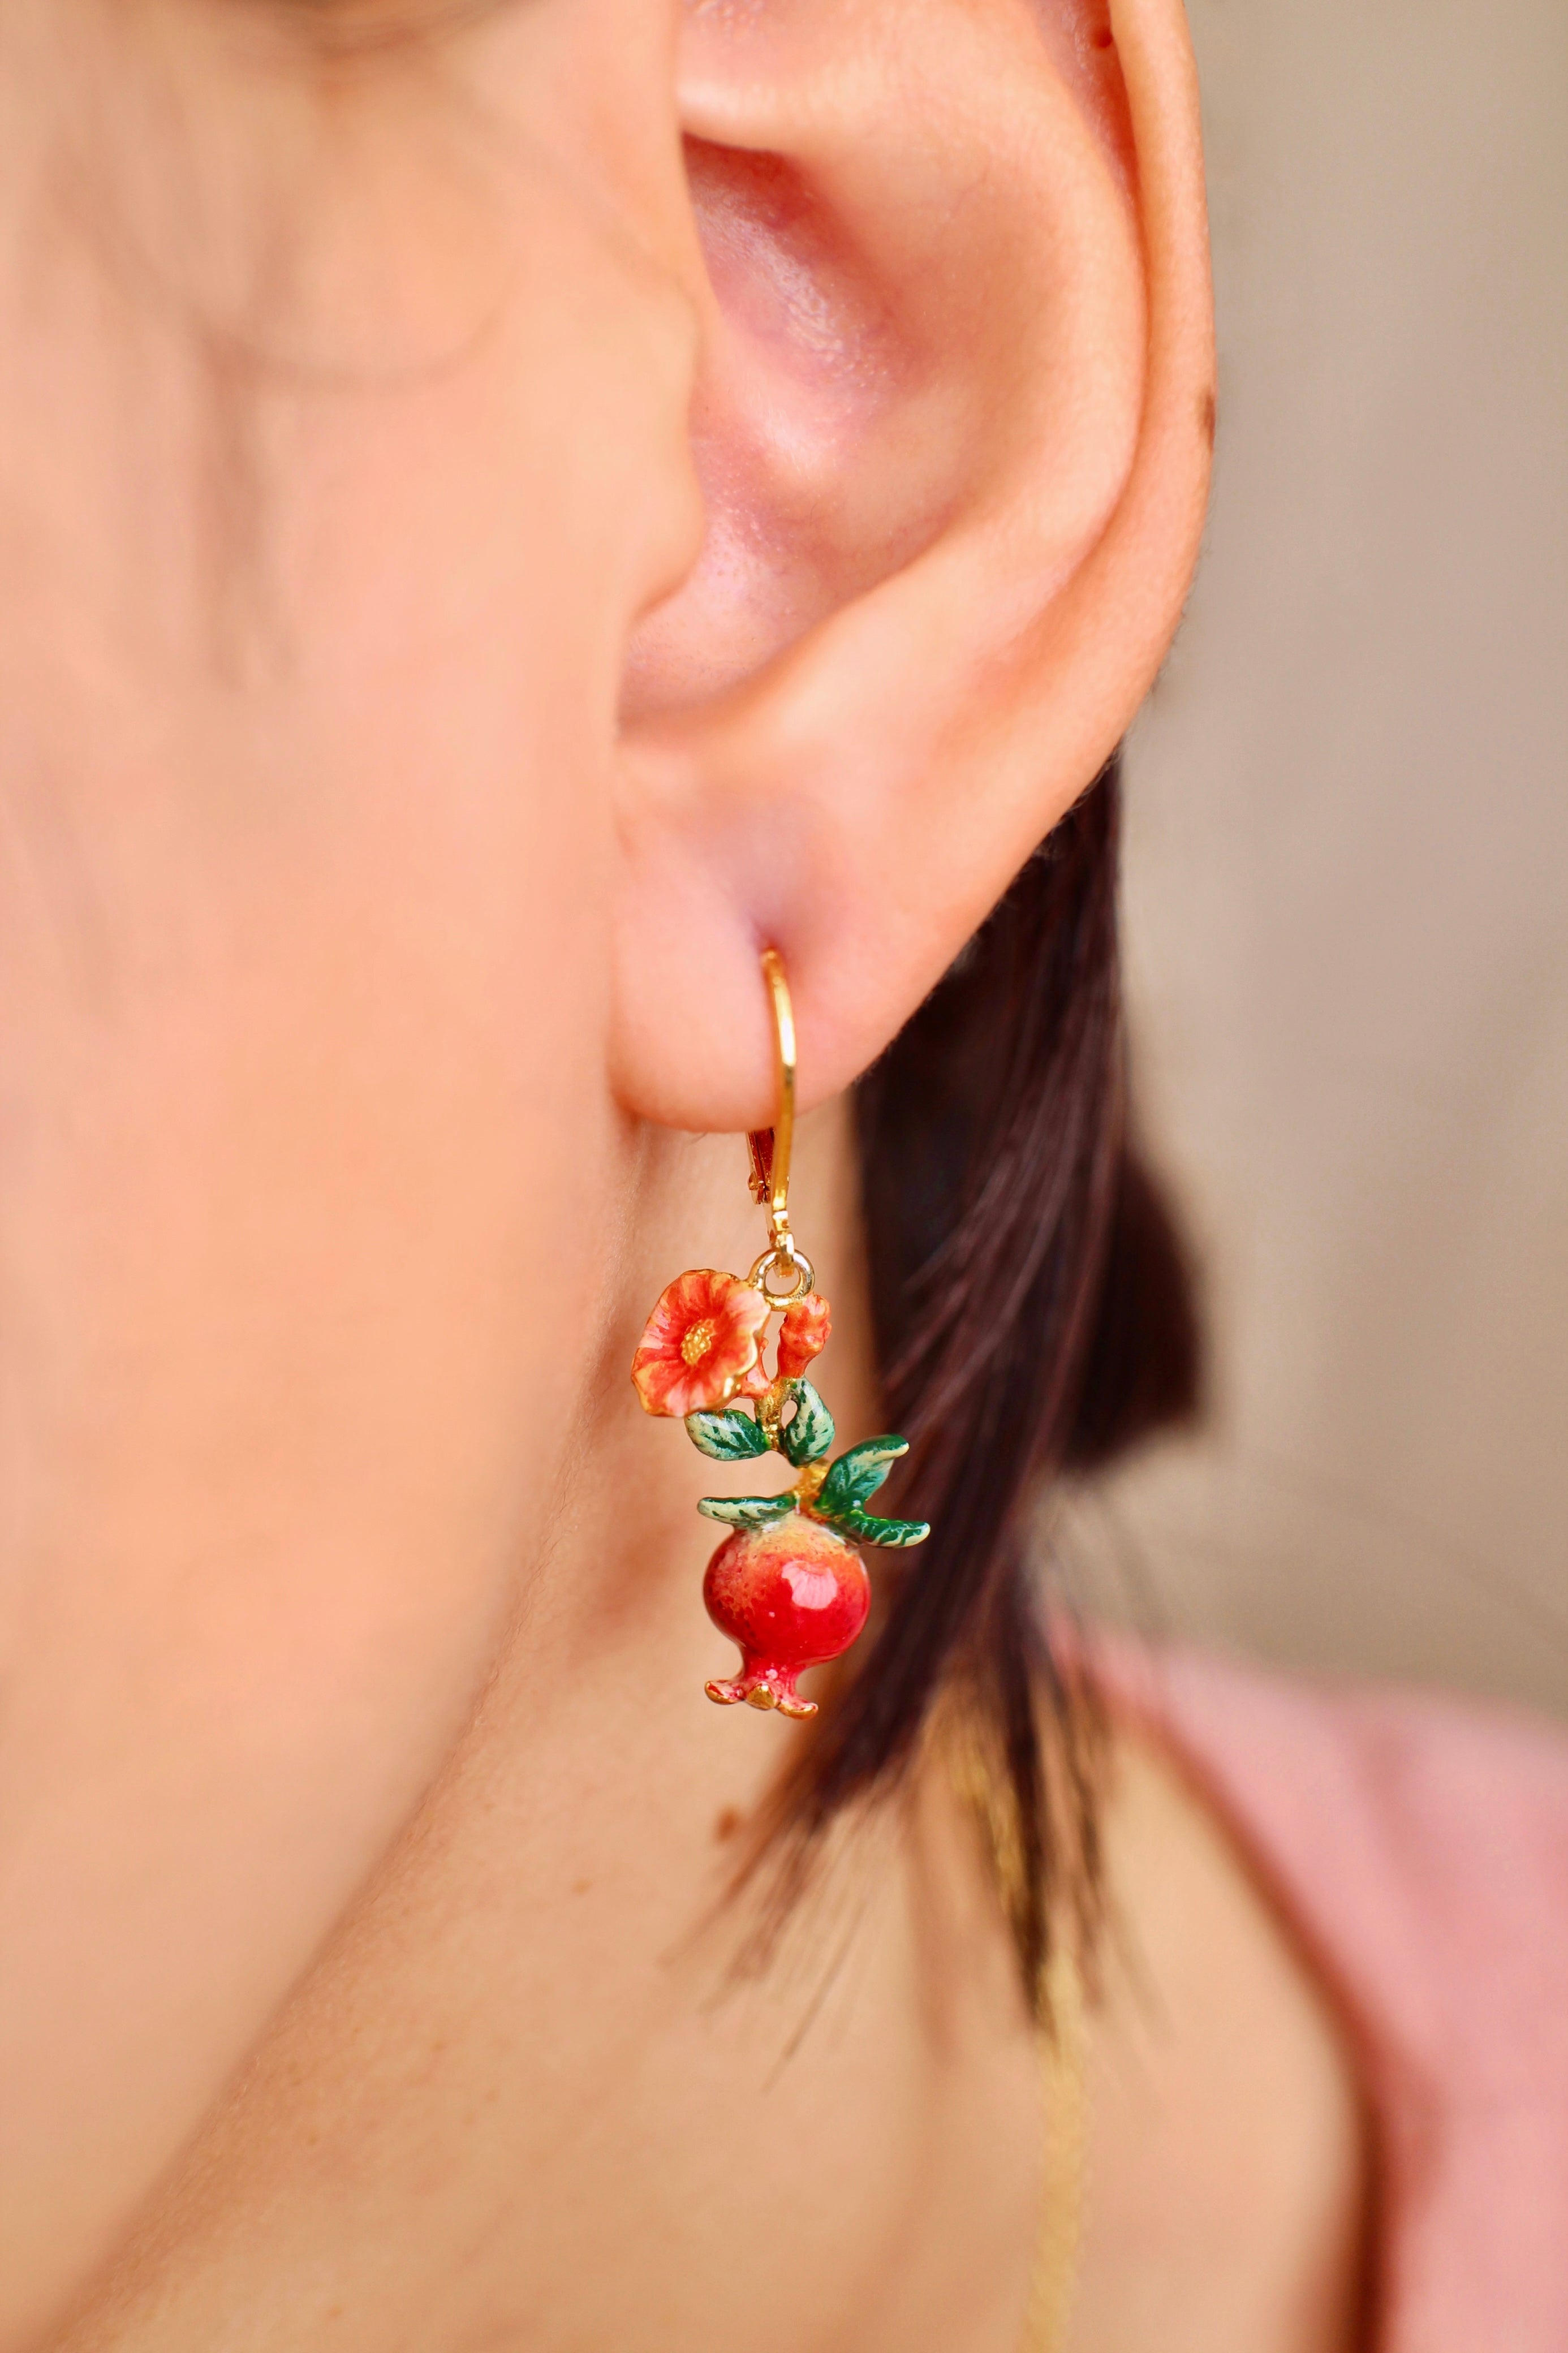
x=1059 y=2250
x=1063 y=2040
x=771 y=1148
x=787 y=1254
x=808 y=1486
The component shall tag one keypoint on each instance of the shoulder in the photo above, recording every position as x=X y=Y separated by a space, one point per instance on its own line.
x=1227 y=2166
x=1416 y=1846
x=1420 y=1841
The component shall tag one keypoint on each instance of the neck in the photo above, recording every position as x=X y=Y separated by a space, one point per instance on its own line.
x=527 y=2094
x=531 y=2032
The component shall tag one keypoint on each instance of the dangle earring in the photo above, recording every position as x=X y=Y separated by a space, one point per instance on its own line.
x=787 y=1585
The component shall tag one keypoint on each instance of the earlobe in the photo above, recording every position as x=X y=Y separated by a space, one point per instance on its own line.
x=949 y=428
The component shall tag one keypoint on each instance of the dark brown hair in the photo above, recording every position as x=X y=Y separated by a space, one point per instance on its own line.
x=1033 y=1318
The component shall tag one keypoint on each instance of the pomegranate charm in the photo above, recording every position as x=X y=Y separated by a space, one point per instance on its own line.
x=788 y=1585
x=792 y=1596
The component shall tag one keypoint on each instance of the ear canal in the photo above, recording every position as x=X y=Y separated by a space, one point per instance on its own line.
x=898 y=313
x=959 y=312
x=831 y=442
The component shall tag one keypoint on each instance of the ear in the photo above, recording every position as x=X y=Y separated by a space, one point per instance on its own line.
x=953 y=425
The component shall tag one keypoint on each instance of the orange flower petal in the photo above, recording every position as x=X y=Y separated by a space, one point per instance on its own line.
x=725 y=1315
x=804 y=1335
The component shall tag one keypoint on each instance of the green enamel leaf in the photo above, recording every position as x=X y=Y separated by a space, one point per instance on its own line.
x=747 y=1511
x=808 y=1434
x=897 y=1534
x=727 y=1437
x=855 y=1476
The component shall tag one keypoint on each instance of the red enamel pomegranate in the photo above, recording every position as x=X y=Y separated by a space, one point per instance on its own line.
x=792 y=1594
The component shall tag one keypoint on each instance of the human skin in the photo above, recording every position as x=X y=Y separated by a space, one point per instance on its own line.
x=525 y=2098
x=446 y=623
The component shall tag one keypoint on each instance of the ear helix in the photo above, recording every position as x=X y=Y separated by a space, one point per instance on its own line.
x=787 y=1585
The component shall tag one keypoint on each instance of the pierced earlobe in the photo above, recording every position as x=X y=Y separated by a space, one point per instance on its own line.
x=787 y=1585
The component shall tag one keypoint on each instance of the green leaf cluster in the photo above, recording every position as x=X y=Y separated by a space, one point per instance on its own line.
x=808 y=1433
x=748 y=1511
x=853 y=1480
x=729 y=1437
x=736 y=1436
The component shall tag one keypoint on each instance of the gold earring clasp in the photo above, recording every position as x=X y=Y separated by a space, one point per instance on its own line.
x=771 y=1149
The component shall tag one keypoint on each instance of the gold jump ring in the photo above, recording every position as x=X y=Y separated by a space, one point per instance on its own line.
x=785 y=1252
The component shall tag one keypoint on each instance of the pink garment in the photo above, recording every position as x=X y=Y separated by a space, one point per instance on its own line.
x=1419 y=1848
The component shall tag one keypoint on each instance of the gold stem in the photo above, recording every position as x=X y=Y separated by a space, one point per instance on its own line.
x=808 y=1486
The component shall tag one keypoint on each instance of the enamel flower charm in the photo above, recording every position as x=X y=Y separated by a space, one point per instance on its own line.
x=701 y=1344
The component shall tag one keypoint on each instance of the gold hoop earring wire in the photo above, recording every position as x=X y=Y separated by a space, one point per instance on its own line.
x=771 y=1149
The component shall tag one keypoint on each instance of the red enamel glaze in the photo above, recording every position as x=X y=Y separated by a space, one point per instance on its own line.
x=792 y=1595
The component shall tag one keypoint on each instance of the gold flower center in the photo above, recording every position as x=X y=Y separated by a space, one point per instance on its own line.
x=698 y=1340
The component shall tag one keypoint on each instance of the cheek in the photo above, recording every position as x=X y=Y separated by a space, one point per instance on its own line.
x=309 y=954
x=305 y=993
x=354 y=442
x=305 y=1139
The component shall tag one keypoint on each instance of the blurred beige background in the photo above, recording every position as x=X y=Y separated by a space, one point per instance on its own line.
x=1348 y=888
